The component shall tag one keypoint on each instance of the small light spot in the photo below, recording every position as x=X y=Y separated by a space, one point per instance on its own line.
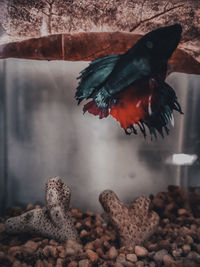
x=149 y=44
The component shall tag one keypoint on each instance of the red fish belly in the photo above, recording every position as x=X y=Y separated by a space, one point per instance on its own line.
x=131 y=107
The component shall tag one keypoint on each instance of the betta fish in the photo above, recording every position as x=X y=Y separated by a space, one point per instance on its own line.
x=131 y=87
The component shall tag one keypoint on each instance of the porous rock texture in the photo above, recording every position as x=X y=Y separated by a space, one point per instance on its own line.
x=53 y=221
x=135 y=223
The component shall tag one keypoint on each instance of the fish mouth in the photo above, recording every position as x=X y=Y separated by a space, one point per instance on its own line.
x=173 y=36
x=159 y=43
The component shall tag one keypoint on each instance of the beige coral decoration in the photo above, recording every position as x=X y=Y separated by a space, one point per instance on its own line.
x=54 y=221
x=135 y=223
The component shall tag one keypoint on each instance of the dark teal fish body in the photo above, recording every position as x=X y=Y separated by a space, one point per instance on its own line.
x=113 y=81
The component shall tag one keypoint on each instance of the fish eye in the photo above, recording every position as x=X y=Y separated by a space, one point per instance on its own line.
x=149 y=44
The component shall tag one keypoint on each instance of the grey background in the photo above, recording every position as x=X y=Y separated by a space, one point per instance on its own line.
x=43 y=133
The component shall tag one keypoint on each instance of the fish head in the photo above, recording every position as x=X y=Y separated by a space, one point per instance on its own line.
x=160 y=43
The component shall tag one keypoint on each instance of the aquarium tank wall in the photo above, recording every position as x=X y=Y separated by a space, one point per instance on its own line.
x=99 y=132
x=44 y=47
x=45 y=134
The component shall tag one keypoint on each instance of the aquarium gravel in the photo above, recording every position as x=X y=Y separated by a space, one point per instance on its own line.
x=175 y=243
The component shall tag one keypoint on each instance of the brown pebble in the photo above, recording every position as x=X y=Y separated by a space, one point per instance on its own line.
x=122 y=249
x=70 y=252
x=14 y=250
x=185 y=230
x=50 y=264
x=47 y=250
x=47 y=263
x=152 y=264
x=61 y=251
x=54 y=252
x=89 y=245
x=59 y=262
x=118 y=264
x=141 y=251
x=164 y=244
x=72 y=264
x=130 y=264
x=84 y=263
x=193 y=227
x=152 y=247
x=177 y=252
x=71 y=244
x=189 y=239
x=165 y=220
x=198 y=248
x=53 y=243
x=167 y=260
x=97 y=243
x=174 y=246
x=39 y=263
x=17 y=264
x=139 y=264
x=182 y=212
x=106 y=244
x=121 y=259
x=79 y=214
x=2 y=228
x=130 y=250
x=31 y=246
x=10 y=258
x=158 y=257
x=99 y=231
x=192 y=255
x=99 y=251
x=89 y=213
x=131 y=257
x=112 y=253
x=78 y=225
x=2 y=254
x=83 y=233
x=93 y=256
x=45 y=241
x=98 y=220
x=88 y=223
x=105 y=238
x=186 y=248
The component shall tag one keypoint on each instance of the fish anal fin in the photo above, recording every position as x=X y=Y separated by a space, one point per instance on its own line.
x=92 y=108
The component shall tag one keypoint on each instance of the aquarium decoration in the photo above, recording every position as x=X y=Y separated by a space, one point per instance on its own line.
x=134 y=223
x=53 y=221
x=105 y=239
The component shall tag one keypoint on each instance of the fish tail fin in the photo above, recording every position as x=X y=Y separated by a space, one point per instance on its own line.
x=167 y=102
